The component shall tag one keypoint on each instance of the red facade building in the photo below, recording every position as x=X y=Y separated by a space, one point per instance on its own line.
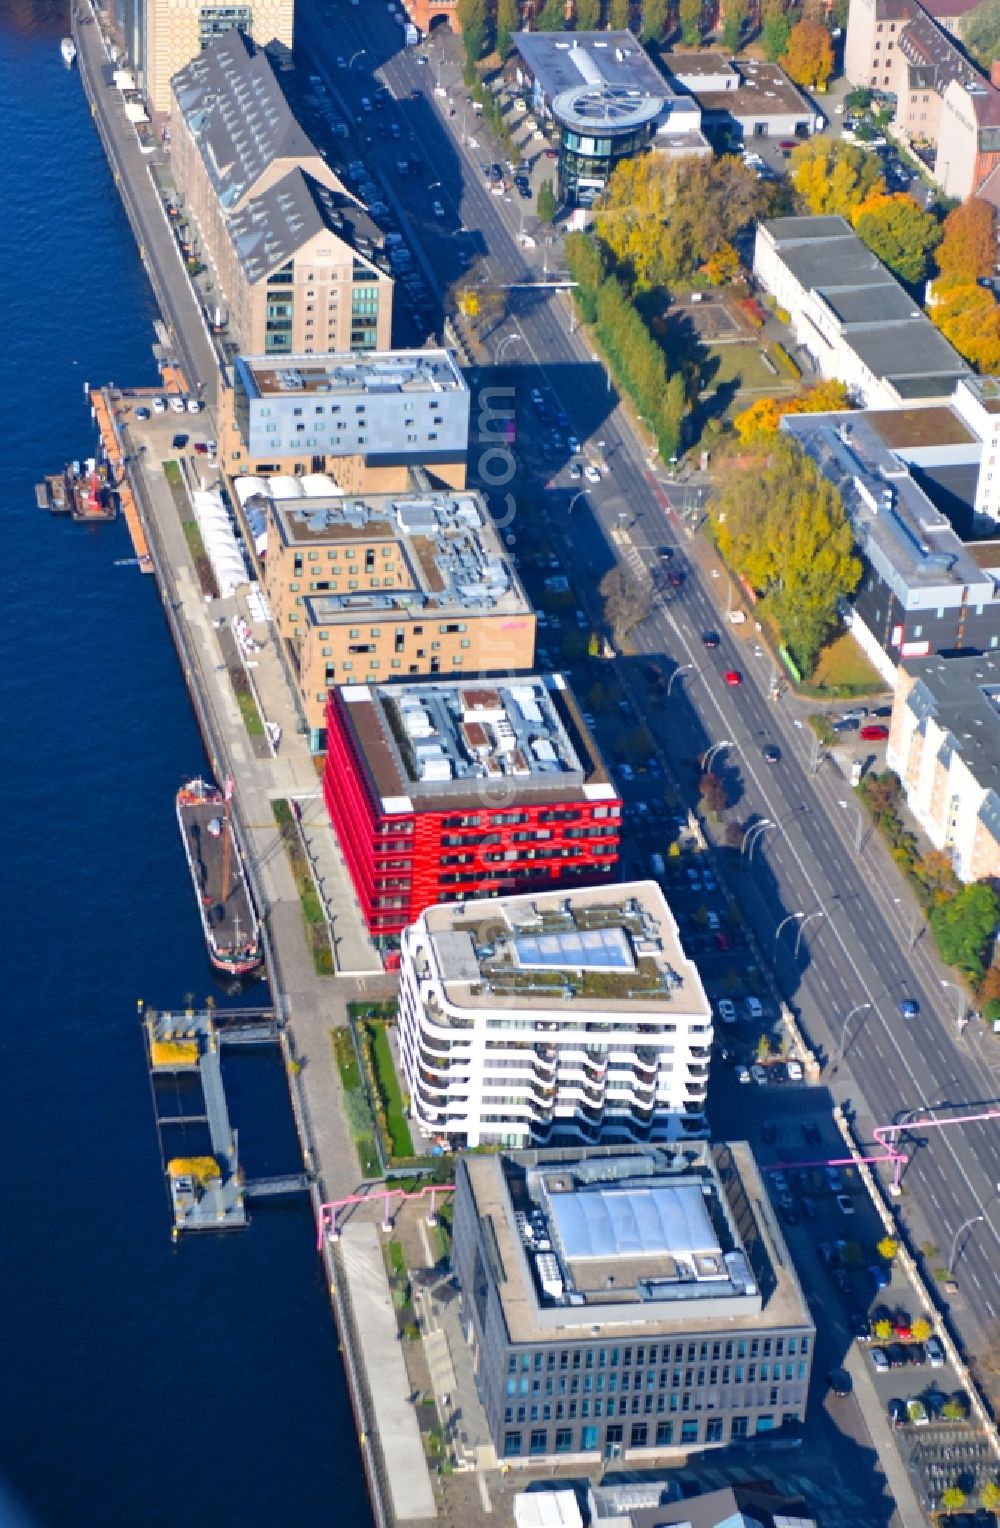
x=442 y=791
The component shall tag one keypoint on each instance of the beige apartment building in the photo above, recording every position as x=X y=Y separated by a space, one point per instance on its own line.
x=298 y=261
x=944 y=743
x=392 y=587
x=162 y=36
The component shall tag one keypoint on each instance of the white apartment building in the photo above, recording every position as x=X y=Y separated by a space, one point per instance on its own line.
x=558 y=1018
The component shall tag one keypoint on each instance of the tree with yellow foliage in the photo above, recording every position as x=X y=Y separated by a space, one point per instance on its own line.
x=782 y=525
x=764 y=416
x=662 y=218
x=897 y=230
x=834 y=177
x=968 y=248
x=722 y=267
x=968 y=316
x=809 y=59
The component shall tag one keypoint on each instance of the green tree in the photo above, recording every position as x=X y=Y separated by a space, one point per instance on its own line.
x=620 y=16
x=550 y=18
x=472 y=19
x=669 y=420
x=508 y=21
x=981 y=32
x=654 y=20
x=586 y=15
x=901 y=233
x=547 y=204
x=963 y=928
x=782 y=525
x=809 y=59
x=776 y=29
x=736 y=14
x=689 y=12
x=833 y=176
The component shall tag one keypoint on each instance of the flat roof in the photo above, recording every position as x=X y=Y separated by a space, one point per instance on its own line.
x=372 y=373
x=962 y=695
x=764 y=90
x=480 y=965
x=883 y=326
x=697 y=64
x=449 y=554
x=567 y=60
x=902 y=533
x=659 y=1240
x=437 y=745
x=919 y=428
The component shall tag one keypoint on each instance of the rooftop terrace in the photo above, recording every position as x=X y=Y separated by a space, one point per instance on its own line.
x=367 y=373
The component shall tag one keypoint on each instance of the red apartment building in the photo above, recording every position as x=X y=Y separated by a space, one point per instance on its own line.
x=439 y=791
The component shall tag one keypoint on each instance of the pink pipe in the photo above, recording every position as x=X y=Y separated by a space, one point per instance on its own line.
x=328 y=1211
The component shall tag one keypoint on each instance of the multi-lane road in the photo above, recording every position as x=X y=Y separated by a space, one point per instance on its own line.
x=855 y=948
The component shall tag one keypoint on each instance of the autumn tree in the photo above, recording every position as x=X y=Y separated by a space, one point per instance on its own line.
x=764 y=415
x=921 y=1329
x=626 y=600
x=775 y=31
x=551 y=17
x=586 y=15
x=722 y=267
x=834 y=177
x=887 y=1248
x=736 y=14
x=901 y=233
x=952 y=1499
x=654 y=20
x=620 y=15
x=809 y=58
x=508 y=21
x=967 y=250
x=981 y=32
x=969 y=318
x=782 y=525
x=662 y=218
x=689 y=13
x=713 y=794
x=989 y=1496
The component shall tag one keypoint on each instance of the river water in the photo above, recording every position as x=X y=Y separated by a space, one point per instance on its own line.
x=140 y=1383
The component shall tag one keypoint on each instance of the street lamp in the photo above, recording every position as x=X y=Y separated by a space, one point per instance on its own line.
x=916 y=921
x=961 y=997
x=607 y=370
x=859 y=831
x=709 y=755
x=508 y=339
x=842 y=1039
x=973 y=1220
x=677 y=674
x=755 y=832
x=358 y=54
x=781 y=926
x=820 y=912
x=581 y=493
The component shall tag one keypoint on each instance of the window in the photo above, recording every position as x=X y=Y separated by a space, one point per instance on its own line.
x=664 y=1434
x=588 y=1439
x=539 y=1440
x=740 y=1427
x=511 y=1445
x=639 y=1436
x=713 y=1430
x=564 y=1440
x=689 y=1431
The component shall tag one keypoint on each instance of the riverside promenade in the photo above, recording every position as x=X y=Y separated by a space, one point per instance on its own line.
x=310 y=1005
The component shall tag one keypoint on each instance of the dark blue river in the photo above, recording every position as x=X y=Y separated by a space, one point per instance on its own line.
x=140 y=1384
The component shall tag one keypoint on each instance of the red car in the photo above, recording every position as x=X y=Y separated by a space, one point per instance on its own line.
x=733 y=676
x=551 y=153
x=874 y=733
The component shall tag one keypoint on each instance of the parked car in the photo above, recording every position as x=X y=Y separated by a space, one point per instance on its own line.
x=875 y=732
x=759 y=1074
x=754 y=1007
x=845 y=1204
x=591 y=474
x=880 y=1276
x=896 y=1412
x=794 y=1070
x=743 y=1074
x=879 y=1360
x=935 y=1352
x=726 y=1010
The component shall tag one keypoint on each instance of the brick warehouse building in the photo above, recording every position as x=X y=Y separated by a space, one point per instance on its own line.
x=441 y=791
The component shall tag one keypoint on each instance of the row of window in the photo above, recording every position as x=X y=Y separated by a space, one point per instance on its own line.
x=653 y=1355
x=641 y=1435
x=680 y=1379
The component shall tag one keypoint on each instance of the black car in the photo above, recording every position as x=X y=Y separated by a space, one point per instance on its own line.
x=840 y=1382
x=772 y=753
x=710 y=639
x=915 y=1352
x=896 y=1411
x=896 y=1354
x=179 y=442
x=675 y=578
x=665 y=553
x=860 y=1325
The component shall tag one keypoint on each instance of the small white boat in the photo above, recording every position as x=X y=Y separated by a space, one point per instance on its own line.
x=68 y=50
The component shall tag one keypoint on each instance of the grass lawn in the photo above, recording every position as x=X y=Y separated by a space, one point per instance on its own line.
x=350 y=1077
x=317 y=933
x=401 y=1142
x=172 y=473
x=843 y=669
x=740 y=362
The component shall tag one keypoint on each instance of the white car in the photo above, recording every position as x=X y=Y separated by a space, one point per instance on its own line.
x=714 y=922
x=627 y=772
x=572 y=444
x=194 y=405
x=159 y=405
x=754 y=1007
x=742 y=1074
x=438 y=210
x=177 y=404
x=759 y=1074
x=794 y=1071
x=591 y=474
x=726 y=1010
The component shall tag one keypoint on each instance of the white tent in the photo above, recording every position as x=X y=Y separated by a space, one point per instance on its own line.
x=220 y=542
